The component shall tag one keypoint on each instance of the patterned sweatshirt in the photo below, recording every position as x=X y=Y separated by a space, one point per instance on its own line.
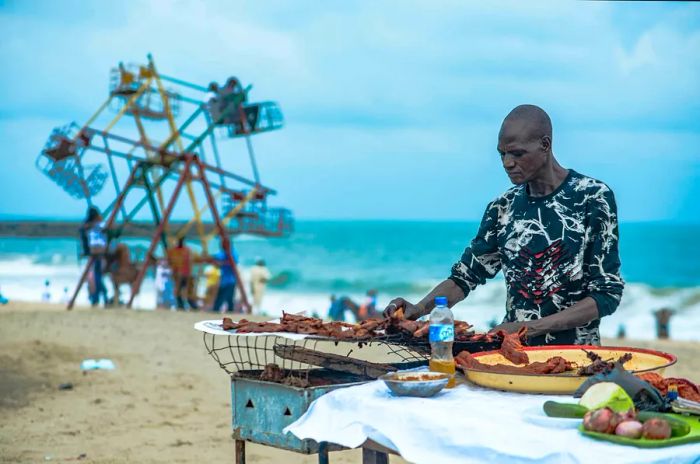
x=554 y=250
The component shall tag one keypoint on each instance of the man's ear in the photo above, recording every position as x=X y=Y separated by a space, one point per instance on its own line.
x=546 y=143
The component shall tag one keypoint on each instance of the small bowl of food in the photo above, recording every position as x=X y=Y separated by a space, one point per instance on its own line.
x=422 y=384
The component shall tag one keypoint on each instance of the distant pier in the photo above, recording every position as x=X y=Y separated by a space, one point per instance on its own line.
x=69 y=229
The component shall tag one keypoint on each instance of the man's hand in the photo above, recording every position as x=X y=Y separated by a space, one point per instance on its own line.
x=509 y=327
x=410 y=311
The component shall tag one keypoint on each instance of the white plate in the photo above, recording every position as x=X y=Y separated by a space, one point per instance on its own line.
x=535 y=415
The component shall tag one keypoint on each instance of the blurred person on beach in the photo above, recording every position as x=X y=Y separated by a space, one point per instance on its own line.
x=663 y=321
x=227 y=280
x=368 y=309
x=3 y=300
x=46 y=296
x=259 y=277
x=165 y=296
x=621 y=332
x=181 y=260
x=365 y=310
x=336 y=312
x=94 y=241
x=211 y=285
x=555 y=237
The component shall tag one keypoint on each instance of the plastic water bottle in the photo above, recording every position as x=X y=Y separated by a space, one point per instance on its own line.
x=441 y=337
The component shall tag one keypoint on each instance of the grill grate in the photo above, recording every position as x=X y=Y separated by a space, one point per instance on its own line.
x=249 y=355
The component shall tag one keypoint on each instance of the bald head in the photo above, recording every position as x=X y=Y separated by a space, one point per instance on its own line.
x=527 y=122
x=525 y=144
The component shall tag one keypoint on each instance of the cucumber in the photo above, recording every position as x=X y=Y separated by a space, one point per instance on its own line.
x=564 y=410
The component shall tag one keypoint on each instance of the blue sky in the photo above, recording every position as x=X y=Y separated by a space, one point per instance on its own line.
x=392 y=108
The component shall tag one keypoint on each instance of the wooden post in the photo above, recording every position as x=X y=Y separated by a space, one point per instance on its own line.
x=374 y=457
x=323 y=453
x=240 y=452
x=222 y=233
x=159 y=230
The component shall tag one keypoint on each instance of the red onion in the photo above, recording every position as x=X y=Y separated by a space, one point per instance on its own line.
x=656 y=429
x=629 y=429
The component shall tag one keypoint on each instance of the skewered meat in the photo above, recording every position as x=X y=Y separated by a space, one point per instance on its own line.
x=512 y=348
x=554 y=365
x=600 y=366
x=272 y=373
x=363 y=330
x=686 y=388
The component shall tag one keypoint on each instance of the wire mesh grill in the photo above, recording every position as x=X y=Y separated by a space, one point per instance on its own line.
x=249 y=355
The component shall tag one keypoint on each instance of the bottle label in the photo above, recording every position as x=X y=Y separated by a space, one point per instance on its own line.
x=441 y=333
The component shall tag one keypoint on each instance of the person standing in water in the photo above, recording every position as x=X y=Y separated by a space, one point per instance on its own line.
x=259 y=276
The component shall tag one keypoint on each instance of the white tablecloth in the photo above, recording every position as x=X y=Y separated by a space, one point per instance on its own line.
x=466 y=424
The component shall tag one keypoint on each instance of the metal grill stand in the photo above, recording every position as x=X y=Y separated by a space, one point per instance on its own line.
x=261 y=409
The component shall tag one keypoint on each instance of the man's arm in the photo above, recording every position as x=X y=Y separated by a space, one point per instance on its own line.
x=447 y=288
x=576 y=315
x=601 y=264
x=480 y=261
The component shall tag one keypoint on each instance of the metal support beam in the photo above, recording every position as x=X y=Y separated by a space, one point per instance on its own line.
x=222 y=233
x=136 y=286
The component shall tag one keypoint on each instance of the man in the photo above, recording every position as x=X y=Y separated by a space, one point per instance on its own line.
x=227 y=279
x=94 y=240
x=259 y=276
x=181 y=265
x=554 y=235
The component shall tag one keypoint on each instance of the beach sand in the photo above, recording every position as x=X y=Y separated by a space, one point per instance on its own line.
x=167 y=401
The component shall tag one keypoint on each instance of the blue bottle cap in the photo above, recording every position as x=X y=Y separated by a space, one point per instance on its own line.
x=441 y=301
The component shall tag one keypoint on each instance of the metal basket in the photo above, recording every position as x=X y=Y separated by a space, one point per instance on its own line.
x=249 y=355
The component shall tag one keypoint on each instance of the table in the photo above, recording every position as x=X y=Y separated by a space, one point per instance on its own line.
x=467 y=424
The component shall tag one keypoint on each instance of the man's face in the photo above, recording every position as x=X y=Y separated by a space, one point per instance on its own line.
x=522 y=155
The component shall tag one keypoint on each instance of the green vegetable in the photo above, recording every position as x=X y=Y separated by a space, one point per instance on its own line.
x=607 y=395
x=565 y=410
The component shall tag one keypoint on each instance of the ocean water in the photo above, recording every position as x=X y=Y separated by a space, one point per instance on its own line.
x=660 y=263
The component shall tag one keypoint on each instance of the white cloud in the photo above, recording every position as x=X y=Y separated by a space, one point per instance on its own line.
x=372 y=87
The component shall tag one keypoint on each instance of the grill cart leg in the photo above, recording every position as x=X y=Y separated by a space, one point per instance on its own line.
x=240 y=451
x=323 y=453
x=374 y=457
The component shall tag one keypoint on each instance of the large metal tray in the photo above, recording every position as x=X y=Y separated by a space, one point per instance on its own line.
x=643 y=360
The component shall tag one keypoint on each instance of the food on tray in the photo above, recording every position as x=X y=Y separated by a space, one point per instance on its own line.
x=420 y=384
x=307 y=325
x=512 y=348
x=273 y=373
x=629 y=429
x=553 y=365
x=417 y=377
x=627 y=424
x=363 y=330
x=686 y=388
x=599 y=365
x=607 y=395
x=602 y=420
x=656 y=429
